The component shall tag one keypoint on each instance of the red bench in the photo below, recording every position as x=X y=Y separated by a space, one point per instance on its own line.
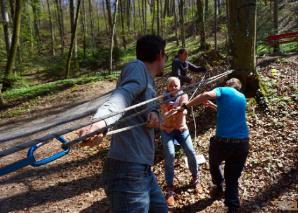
x=274 y=40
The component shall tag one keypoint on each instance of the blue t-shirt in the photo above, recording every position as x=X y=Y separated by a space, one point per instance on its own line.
x=231 y=113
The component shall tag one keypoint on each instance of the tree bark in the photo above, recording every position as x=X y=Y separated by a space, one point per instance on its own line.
x=84 y=28
x=215 y=24
x=157 y=17
x=181 y=14
x=73 y=35
x=5 y=18
x=122 y=24
x=52 y=30
x=92 y=27
x=60 y=23
x=176 y=23
x=275 y=25
x=36 y=14
x=7 y=82
x=242 y=22
x=201 y=24
x=113 y=35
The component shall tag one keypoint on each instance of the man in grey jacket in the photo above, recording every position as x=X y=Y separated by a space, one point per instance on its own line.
x=127 y=177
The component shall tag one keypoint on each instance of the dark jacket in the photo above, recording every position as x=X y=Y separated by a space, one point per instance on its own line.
x=179 y=70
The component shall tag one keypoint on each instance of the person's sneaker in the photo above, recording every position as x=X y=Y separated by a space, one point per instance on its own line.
x=170 y=196
x=195 y=184
x=217 y=191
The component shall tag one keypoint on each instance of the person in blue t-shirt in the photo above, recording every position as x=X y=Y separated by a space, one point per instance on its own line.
x=230 y=143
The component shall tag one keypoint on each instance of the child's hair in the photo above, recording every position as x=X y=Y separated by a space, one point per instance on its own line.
x=171 y=79
x=180 y=52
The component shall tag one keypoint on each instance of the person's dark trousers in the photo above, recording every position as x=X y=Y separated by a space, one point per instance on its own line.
x=234 y=153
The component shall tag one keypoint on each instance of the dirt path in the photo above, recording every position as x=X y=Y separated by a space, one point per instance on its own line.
x=71 y=184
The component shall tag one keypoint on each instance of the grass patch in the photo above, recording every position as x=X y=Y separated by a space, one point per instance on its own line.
x=37 y=90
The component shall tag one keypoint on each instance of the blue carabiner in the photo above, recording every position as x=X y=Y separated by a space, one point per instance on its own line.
x=51 y=158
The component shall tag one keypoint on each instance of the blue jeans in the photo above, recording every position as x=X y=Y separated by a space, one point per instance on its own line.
x=132 y=188
x=184 y=139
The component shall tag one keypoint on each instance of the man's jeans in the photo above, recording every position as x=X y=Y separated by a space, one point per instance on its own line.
x=132 y=188
x=184 y=139
x=234 y=155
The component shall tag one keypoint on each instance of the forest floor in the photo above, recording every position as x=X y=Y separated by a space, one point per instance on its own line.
x=71 y=184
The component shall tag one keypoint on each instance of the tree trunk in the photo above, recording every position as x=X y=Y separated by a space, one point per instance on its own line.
x=176 y=23
x=52 y=30
x=5 y=18
x=275 y=25
x=157 y=17
x=122 y=24
x=84 y=27
x=108 y=4
x=242 y=21
x=113 y=35
x=206 y=8
x=144 y=14
x=36 y=14
x=215 y=24
x=92 y=27
x=7 y=82
x=201 y=24
x=105 y=16
x=153 y=16
x=73 y=35
x=181 y=14
x=60 y=23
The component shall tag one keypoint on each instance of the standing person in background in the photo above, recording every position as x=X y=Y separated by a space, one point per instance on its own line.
x=231 y=141
x=173 y=128
x=128 y=181
x=180 y=67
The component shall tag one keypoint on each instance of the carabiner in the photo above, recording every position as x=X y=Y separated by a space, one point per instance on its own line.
x=51 y=158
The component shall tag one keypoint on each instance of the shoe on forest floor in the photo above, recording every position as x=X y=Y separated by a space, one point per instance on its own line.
x=217 y=192
x=170 y=196
x=195 y=184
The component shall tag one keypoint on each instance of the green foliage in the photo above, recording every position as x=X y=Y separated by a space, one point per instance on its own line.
x=37 y=90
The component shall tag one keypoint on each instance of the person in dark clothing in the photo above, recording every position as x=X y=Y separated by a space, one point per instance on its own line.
x=231 y=141
x=180 y=67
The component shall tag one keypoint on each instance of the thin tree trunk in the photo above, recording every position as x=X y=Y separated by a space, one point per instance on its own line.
x=5 y=18
x=176 y=23
x=201 y=24
x=206 y=8
x=29 y=25
x=105 y=16
x=122 y=24
x=181 y=14
x=60 y=23
x=73 y=35
x=84 y=27
x=7 y=83
x=144 y=14
x=215 y=24
x=158 y=17
x=52 y=30
x=153 y=16
x=275 y=25
x=112 y=36
x=35 y=9
x=92 y=26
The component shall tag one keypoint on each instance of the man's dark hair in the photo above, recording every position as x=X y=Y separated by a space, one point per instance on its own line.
x=180 y=51
x=148 y=47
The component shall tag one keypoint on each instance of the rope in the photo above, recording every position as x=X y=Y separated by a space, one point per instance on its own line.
x=46 y=138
